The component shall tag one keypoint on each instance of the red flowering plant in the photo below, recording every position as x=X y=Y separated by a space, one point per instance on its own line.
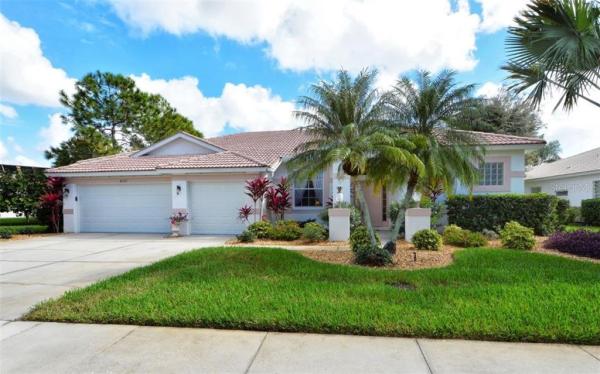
x=50 y=207
x=178 y=218
x=244 y=213
x=256 y=189
x=278 y=198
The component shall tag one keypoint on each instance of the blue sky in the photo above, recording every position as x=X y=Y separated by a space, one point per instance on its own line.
x=238 y=66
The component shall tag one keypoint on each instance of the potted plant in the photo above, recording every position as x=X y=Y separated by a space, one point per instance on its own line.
x=176 y=220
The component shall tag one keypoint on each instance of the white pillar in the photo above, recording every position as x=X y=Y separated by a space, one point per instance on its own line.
x=416 y=219
x=179 y=203
x=339 y=224
x=70 y=208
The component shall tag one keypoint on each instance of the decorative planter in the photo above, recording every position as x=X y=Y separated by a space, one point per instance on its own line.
x=175 y=229
x=339 y=224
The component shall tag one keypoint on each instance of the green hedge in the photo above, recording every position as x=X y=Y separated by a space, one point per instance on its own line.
x=18 y=221
x=590 y=211
x=24 y=229
x=491 y=212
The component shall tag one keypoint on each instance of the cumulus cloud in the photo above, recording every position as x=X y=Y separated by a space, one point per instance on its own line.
x=8 y=111
x=326 y=35
x=15 y=156
x=241 y=107
x=27 y=76
x=498 y=14
x=55 y=133
x=488 y=89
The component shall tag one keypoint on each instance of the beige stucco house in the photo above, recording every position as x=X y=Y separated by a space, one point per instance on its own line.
x=138 y=191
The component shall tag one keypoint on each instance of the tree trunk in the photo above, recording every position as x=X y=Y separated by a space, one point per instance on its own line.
x=410 y=190
x=358 y=186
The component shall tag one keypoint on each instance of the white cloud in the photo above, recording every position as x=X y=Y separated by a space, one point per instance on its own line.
x=244 y=108
x=27 y=76
x=326 y=35
x=55 y=133
x=8 y=111
x=498 y=14
x=488 y=89
x=16 y=156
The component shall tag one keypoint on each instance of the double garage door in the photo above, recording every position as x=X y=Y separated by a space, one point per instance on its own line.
x=145 y=208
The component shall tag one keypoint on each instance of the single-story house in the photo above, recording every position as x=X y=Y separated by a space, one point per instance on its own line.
x=138 y=191
x=574 y=178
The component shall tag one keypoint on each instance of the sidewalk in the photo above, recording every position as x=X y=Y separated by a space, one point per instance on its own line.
x=30 y=347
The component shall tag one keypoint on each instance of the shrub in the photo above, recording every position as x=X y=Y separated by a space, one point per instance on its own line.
x=516 y=236
x=314 y=232
x=286 y=230
x=364 y=252
x=590 y=211
x=24 y=230
x=18 y=221
x=573 y=215
x=246 y=237
x=562 y=211
x=457 y=236
x=490 y=234
x=427 y=239
x=5 y=235
x=580 y=243
x=261 y=229
x=476 y=213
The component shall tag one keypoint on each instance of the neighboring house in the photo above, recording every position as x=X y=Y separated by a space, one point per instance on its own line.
x=574 y=178
x=138 y=191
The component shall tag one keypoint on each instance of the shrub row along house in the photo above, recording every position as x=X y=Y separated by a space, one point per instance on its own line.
x=138 y=191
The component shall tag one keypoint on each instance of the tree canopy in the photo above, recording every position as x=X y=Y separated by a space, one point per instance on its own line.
x=109 y=114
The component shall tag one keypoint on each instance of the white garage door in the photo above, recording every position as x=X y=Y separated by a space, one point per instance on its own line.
x=125 y=208
x=214 y=207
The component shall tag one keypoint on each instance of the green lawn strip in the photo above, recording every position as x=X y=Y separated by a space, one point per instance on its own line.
x=24 y=229
x=488 y=294
x=571 y=228
x=17 y=221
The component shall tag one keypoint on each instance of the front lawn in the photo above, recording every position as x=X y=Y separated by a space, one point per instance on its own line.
x=488 y=294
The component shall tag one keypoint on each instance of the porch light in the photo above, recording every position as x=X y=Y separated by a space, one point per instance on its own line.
x=178 y=190
x=66 y=193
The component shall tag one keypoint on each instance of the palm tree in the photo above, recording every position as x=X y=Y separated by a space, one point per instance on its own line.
x=422 y=111
x=344 y=120
x=556 y=44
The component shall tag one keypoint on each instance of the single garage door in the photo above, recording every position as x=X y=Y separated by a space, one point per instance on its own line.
x=214 y=207
x=125 y=208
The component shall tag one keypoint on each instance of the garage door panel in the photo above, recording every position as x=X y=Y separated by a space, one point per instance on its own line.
x=125 y=208
x=214 y=207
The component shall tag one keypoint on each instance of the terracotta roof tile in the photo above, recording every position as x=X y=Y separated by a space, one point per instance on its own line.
x=250 y=149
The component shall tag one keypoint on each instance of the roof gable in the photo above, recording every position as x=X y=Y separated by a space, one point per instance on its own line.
x=179 y=144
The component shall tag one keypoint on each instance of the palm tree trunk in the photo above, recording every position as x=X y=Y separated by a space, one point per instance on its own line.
x=410 y=190
x=358 y=186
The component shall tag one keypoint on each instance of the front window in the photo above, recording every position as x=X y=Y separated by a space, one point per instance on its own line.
x=491 y=174
x=309 y=193
x=536 y=189
x=562 y=193
x=596 y=189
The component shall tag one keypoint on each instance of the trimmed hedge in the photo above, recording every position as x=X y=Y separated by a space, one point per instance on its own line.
x=24 y=229
x=491 y=212
x=590 y=211
x=562 y=211
x=18 y=221
x=579 y=243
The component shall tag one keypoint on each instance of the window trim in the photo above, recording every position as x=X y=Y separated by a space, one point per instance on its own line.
x=294 y=188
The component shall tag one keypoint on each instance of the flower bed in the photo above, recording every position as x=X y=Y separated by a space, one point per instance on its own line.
x=580 y=243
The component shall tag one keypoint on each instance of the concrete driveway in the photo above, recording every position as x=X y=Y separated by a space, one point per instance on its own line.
x=36 y=269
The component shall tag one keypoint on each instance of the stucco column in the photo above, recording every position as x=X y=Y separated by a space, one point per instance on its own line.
x=339 y=180
x=180 y=203
x=71 y=209
x=416 y=219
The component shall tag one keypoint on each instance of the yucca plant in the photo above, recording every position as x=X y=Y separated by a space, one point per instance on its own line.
x=555 y=44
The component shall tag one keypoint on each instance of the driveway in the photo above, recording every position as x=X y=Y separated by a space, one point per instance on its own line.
x=36 y=269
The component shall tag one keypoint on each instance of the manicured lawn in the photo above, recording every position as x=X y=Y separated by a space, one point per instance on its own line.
x=486 y=294
x=570 y=228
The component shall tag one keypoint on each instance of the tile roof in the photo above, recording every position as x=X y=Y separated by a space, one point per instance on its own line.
x=581 y=163
x=250 y=149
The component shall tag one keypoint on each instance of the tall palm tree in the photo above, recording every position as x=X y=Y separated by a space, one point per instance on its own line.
x=422 y=111
x=344 y=120
x=556 y=44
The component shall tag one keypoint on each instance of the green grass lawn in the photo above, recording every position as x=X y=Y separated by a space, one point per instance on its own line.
x=487 y=294
x=570 y=228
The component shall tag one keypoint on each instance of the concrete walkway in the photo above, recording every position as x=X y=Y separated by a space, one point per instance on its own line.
x=40 y=268
x=31 y=347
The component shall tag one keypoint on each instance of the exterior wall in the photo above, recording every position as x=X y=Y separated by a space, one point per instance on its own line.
x=514 y=173
x=578 y=187
x=180 y=147
x=373 y=195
